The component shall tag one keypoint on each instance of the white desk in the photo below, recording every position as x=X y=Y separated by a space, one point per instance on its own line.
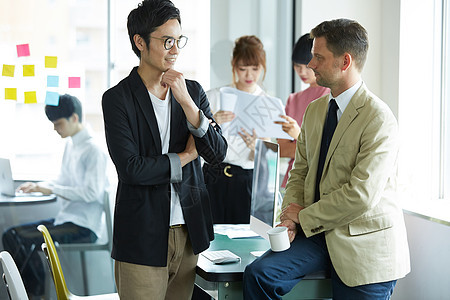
x=21 y=210
x=25 y=200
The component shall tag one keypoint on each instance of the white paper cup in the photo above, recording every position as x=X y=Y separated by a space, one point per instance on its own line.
x=279 y=239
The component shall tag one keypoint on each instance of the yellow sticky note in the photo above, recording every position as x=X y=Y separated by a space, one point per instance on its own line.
x=51 y=61
x=30 y=97
x=10 y=94
x=8 y=70
x=28 y=70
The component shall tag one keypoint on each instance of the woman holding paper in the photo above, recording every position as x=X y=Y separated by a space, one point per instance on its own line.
x=297 y=102
x=230 y=184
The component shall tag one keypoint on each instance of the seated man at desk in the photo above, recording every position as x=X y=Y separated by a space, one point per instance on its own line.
x=80 y=187
x=341 y=204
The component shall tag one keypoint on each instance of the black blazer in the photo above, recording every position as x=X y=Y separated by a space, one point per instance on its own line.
x=141 y=217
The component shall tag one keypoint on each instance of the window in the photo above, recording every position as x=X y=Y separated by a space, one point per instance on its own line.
x=194 y=58
x=74 y=33
x=89 y=40
x=424 y=113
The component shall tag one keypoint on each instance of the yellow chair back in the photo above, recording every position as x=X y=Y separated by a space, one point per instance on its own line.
x=62 y=292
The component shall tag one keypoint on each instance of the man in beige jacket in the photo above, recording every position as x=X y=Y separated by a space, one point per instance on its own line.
x=341 y=209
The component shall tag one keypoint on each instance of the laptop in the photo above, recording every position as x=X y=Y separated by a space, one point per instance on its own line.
x=7 y=182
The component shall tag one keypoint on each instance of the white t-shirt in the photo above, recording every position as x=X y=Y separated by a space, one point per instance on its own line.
x=162 y=109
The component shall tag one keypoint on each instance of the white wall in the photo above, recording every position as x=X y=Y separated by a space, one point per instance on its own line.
x=389 y=41
x=381 y=23
x=270 y=20
x=430 y=261
x=381 y=19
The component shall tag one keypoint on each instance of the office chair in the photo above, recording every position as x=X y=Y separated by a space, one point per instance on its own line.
x=11 y=277
x=102 y=244
x=62 y=292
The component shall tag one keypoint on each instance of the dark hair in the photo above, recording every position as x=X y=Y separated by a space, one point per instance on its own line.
x=301 y=53
x=249 y=50
x=68 y=105
x=147 y=17
x=343 y=35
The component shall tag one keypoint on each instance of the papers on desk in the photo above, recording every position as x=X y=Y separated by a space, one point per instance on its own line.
x=235 y=230
x=252 y=112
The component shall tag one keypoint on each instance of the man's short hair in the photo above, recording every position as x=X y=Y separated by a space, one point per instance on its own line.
x=68 y=105
x=147 y=17
x=343 y=35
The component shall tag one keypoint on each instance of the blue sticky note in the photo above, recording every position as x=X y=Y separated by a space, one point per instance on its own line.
x=52 y=98
x=52 y=81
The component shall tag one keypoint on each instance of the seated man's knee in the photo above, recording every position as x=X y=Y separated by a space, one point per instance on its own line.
x=253 y=270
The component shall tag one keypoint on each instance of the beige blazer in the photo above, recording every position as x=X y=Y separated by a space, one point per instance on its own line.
x=358 y=208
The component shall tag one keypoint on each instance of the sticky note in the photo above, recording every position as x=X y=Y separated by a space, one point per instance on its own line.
x=23 y=50
x=52 y=81
x=28 y=70
x=52 y=98
x=10 y=94
x=74 y=82
x=30 y=97
x=51 y=61
x=8 y=70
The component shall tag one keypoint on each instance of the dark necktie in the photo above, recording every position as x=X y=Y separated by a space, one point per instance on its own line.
x=328 y=130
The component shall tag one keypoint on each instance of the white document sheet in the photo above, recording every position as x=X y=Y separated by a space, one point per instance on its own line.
x=235 y=230
x=252 y=112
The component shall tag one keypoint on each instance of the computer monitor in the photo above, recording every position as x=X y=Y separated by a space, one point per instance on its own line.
x=266 y=200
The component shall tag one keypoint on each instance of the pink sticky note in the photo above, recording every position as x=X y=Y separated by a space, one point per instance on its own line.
x=23 y=50
x=74 y=82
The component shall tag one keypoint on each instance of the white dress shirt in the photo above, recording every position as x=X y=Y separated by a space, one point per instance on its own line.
x=344 y=98
x=82 y=182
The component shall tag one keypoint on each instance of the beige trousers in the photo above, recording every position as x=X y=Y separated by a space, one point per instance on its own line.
x=175 y=281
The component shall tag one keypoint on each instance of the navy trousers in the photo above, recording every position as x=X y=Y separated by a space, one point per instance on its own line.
x=274 y=274
x=23 y=242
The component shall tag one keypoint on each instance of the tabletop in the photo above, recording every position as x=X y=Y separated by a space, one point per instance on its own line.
x=25 y=200
x=224 y=281
x=233 y=271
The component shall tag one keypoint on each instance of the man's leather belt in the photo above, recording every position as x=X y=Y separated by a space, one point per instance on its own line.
x=176 y=226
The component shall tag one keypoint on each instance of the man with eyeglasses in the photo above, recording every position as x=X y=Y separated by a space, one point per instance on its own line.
x=157 y=124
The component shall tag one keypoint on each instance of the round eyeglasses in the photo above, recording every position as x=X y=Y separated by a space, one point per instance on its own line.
x=170 y=42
